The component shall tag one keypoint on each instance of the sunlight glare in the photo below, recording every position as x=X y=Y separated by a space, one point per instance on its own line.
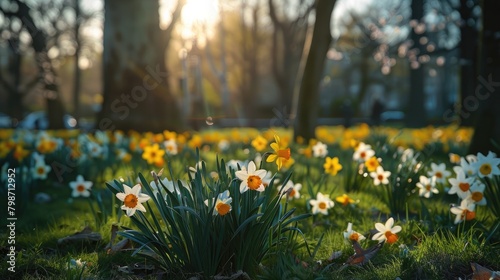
x=197 y=13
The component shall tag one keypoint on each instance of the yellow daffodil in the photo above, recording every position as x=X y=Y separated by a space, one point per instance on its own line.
x=20 y=153
x=153 y=154
x=281 y=154
x=332 y=165
x=372 y=164
x=259 y=143
x=344 y=199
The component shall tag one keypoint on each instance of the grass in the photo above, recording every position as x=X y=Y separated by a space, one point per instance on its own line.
x=430 y=246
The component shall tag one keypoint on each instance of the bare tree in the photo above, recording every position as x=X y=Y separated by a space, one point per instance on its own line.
x=40 y=43
x=288 y=39
x=137 y=94
x=305 y=123
x=486 y=97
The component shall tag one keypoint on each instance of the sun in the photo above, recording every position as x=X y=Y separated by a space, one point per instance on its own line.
x=195 y=15
x=199 y=12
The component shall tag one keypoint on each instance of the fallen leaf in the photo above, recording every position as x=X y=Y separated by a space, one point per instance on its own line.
x=362 y=256
x=482 y=273
x=85 y=235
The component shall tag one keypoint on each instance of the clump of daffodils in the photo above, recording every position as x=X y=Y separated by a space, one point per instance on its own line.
x=473 y=178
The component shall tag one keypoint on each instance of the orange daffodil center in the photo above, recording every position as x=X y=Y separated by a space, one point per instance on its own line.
x=464 y=186
x=130 y=200
x=222 y=204
x=222 y=208
x=254 y=182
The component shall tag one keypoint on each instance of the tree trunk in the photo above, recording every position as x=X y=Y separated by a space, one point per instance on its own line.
x=486 y=98
x=137 y=95
x=307 y=111
x=55 y=108
x=77 y=71
x=15 y=97
x=416 y=108
x=468 y=54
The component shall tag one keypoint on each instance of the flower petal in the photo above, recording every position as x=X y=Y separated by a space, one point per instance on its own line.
x=251 y=167
x=121 y=196
x=140 y=207
x=396 y=229
x=127 y=189
x=380 y=227
x=389 y=223
x=243 y=187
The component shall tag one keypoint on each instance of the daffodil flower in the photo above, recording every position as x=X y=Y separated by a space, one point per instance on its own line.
x=80 y=187
x=487 y=166
x=132 y=199
x=344 y=199
x=351 y=235
x=439 y=171
x=387 y=232
x=321 y=204
x=222 y=204
x=281 y=154
x=427 y=186
x=251 y=178
x=464 y=212
x=332 y=165
x=380 y=176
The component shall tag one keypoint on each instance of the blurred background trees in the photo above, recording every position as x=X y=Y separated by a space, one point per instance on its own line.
x=196 y=63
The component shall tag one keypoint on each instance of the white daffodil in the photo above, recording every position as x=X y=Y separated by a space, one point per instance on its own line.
x=167 y=183
x=477 y=193
x=321 y=204
x=487 y=166
x=387 y=232
x=320 y=150
x=223 y=145
x=439 y=171
x=40 y=170
x=380 y=176
x=464 y=212
x=132 y=199
x=351 y=235
x=80 y=187
x=292 y=190
x=171 y=147
x=363 y=152
x=222 y=204
x=468 y=167
x=251 y=178
x=461 y=184
x=427 y=186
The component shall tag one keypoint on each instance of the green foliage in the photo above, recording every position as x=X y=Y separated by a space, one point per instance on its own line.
x=181 y=233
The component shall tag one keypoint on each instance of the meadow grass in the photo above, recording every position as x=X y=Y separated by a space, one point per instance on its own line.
x=430 y=246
